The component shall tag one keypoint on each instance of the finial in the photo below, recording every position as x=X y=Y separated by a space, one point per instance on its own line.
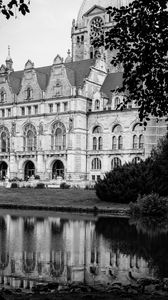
x=69 y=52
x=8 y=50
x=8 y=57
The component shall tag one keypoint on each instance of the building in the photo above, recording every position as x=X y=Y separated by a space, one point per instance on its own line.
x=61 y=120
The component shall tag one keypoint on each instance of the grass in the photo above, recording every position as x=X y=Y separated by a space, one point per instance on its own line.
x=53 y=198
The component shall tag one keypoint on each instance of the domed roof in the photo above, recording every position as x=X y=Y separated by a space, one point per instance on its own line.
x=88 y=4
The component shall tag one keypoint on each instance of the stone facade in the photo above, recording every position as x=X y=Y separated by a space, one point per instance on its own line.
x=62 y=120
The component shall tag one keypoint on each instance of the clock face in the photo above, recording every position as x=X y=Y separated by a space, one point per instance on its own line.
x=96 y=29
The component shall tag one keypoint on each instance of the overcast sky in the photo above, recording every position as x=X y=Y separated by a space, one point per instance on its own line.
x=40 y=35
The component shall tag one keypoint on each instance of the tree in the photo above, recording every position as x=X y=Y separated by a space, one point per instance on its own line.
x=140 y=36
x=9 y=9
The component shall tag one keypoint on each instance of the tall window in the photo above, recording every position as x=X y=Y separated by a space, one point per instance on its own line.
x=58 y=141
x=116 y=102
x=4 y=139
x=97 y=138
x=117 y=138
x=97 y=104
x=96 y=164
x=29 y=93
x=138 y=137
x=30 y=138
x=115 y=163
x=2 y=96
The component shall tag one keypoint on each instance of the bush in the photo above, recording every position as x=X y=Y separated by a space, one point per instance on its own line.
x=64 y=185
x=14 y=185
x=36 y=177
x=123 y=184
x=40 y=185
x=150 y=205
x=14 y=179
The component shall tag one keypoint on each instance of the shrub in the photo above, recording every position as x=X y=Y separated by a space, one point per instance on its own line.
x=40 y=185
x=36 y=177
x=64 y=185
x=14 y=179
x=150 y=205
x=14 y=185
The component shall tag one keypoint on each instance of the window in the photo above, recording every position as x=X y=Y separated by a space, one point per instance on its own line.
x=97 y=105
x=50 y=108
x=116 y=102
x=4 y=139
x=120 y=142
x=96 y=164
x=58 y=141
x=97 y=129
x=117 y=138
x=100 y=143
x=135 y=142
x=22 y=111
x=58 y=107
x=29 y=110
x=65 y=106
x=98 y=177
x=115 y=163
x=3 y=113
x=2 y=96
x=29 y=93
x=141 y=141
x=93 y=177
x=9 y=112
x=36 y=109
x=136 y=160
x=30 y=138
x=94 y=143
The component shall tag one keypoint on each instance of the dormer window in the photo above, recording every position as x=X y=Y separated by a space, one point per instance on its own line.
x=29 y=93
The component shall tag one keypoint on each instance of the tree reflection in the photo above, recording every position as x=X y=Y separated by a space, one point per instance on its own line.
x=147 y=239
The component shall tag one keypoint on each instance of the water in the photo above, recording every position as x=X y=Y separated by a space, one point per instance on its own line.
x=41 y=246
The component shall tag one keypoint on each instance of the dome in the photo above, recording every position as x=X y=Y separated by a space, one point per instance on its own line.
x=88 y=4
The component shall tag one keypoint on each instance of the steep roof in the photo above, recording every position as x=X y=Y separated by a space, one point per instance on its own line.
x=76 y=72
x=111 y=82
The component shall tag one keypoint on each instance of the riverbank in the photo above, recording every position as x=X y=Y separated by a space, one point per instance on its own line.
x=71 y=200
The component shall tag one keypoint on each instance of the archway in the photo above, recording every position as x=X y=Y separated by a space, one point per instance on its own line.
x=3 y=170
x=58 y=169
x=29 y=170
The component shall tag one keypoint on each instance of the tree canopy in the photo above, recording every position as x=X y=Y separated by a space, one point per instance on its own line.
x=140 y=36
x=9 y=9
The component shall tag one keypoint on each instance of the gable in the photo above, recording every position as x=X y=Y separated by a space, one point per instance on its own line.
x=95 y=10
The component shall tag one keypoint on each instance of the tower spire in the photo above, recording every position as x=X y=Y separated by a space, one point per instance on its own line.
x=9 y=61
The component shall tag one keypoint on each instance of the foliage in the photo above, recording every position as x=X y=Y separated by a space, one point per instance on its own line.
x=64 y=185
x=40 y=185
x=123 y=184
x=150 y=205
x=8 y=10
x=36 y=177
x=14 y=185
x=14 y=179
x=139 y=37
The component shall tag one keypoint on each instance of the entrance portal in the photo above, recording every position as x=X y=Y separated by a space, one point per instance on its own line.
x=29 y=170
x=3 y=170
x=58 y=169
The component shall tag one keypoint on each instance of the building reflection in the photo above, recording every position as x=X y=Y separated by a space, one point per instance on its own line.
x=33 y=249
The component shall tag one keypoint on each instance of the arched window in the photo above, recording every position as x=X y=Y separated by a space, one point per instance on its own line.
x=78 y=39
x=2 y=96
x=100 y=143
x=30 y=138
x=97 y=129
x=141 y=141
x=58 y=141
x=116 y=102
x=94 y=143
x=135 y=142
x=117 y=138
x=96 y=164
x=115 y=163
x=4 y=139
x=120 y=142
x=97 y=104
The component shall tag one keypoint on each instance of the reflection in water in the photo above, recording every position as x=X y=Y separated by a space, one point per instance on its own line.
x=65 y=250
